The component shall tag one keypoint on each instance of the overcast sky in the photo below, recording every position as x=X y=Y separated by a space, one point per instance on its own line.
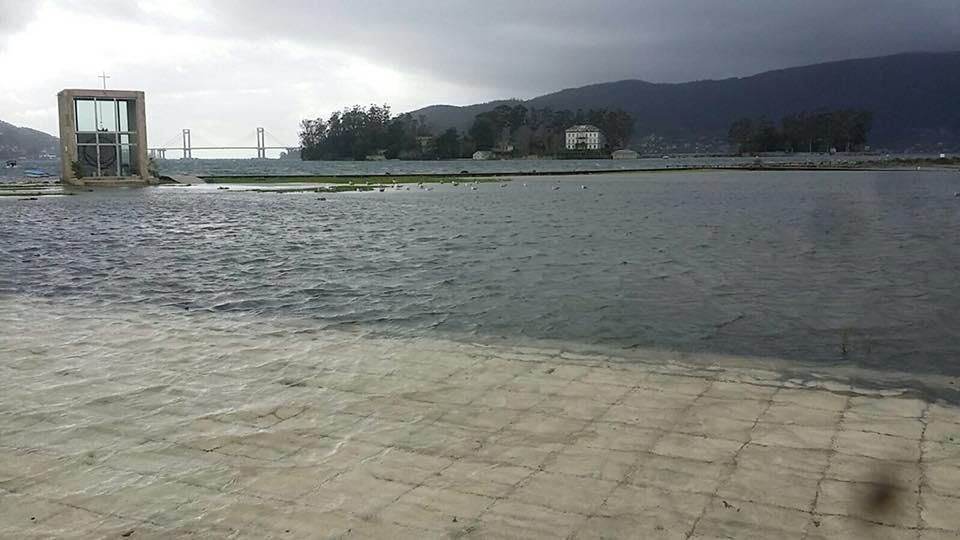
x=222 y=68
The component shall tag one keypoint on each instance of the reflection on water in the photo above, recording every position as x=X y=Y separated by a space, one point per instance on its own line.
x=797 y=265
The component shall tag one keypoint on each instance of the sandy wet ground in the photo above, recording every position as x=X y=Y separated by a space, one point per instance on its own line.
x=140 y=423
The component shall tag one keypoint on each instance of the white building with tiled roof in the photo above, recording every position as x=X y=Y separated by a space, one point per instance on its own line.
x=585 y=137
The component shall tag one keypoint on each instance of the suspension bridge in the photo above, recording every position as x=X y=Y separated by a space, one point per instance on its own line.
x=185 y=148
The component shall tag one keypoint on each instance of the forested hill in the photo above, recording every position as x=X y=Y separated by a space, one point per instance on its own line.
x=913 y=98
x=18 y=142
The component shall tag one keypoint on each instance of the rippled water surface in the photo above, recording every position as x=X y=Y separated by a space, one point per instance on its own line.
x=289 y=167
x=797 y=265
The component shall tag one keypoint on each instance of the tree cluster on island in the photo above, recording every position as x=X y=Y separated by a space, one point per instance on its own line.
x=358 y=133
x=842 y=130
x=542 y=132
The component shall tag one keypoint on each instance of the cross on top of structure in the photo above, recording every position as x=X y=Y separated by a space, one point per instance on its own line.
x=104 y=77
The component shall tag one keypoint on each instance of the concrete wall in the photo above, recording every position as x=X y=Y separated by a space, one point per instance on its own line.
x=68 y=135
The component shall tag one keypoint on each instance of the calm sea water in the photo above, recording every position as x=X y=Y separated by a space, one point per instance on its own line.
x=799 y=265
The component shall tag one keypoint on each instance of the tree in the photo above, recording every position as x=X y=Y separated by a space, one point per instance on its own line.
x=819 y=131
x=401 y=137
x=517 y=117
x=312 y=135
x=542 y=131
x=742 y=134
x=484 y=132
x=353 y=133
x=766 y=137
x=447 y=145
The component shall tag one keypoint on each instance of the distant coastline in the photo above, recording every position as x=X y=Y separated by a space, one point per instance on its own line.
x=859 y=165
x=266 y=172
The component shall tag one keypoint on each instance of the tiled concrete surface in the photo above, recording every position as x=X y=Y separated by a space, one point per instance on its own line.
x=154 y=426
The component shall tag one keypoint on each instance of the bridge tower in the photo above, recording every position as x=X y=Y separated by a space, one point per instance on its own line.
x=261 y=143
x=187 y=146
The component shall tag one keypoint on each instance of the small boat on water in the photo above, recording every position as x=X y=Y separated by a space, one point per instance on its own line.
x=36 y=173
x=10 y=163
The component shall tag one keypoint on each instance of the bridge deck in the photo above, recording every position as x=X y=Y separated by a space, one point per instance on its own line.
x=180 y=148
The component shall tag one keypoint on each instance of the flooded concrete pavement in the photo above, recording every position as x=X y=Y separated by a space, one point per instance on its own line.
x=136 y=422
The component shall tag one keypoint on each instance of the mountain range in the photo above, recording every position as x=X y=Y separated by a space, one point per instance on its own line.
x=914 y=97
x=20 y=142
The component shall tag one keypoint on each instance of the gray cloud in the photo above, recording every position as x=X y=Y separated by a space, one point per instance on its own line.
x=14 y=15
x=541 y=45
x=223 y=67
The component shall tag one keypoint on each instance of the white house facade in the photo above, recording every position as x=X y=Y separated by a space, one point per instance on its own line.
x=585 y=137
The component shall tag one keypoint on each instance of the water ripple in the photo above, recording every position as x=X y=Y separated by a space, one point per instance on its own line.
x=795 y=265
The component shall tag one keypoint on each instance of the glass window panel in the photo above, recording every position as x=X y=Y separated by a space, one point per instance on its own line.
x=107 y=138
x=106 y=115
x=86 y=115
x=134 y=161
x=125 y=161
x=108 y=160
x=87 y=154
x=124 y=139
x=86 y=138
x=123 y=115
x=128 y=115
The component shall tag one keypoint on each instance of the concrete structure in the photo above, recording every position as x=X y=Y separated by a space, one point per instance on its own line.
x=103 y=137
x=144 y=422
x=625 y=154
x=585 y=137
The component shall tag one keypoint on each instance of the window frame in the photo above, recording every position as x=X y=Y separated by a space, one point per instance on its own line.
x=122 y=139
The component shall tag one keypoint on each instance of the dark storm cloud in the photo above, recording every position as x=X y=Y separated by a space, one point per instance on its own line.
x=528 y=46
x=541 y=45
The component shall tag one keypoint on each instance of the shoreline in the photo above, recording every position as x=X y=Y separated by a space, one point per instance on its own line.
x=31 y=190
x=872 y=166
